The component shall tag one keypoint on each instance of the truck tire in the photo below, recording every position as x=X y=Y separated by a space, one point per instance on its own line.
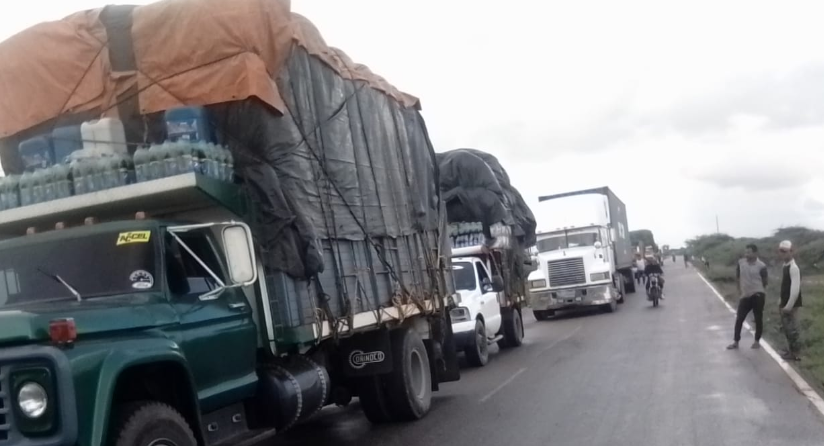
x=373 y=399
x=151 y=424
x=409 y=386
x=629 y=283
x=477 y=352
x=513 y=329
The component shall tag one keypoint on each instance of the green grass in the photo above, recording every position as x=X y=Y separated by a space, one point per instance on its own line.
x=810 y=316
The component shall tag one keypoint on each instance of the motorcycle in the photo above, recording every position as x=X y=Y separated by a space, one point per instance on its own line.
x=654 y=290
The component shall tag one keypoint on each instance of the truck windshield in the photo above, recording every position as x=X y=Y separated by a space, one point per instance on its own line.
x=96 y=265
x=567 y=241
x=464 y=275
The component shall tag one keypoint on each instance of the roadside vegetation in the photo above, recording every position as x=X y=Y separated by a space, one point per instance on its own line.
x=723 y=251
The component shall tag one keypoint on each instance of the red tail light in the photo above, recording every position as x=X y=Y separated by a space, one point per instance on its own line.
x=62 y=331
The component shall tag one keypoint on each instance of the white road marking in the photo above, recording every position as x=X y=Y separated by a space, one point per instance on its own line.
x=503 y=384
x=558 y=341
x=800 y=383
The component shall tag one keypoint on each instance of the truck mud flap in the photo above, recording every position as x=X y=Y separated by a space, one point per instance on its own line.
x=442 y=353
x=366 y=354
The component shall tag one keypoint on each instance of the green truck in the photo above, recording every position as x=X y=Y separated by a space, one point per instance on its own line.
x=162 y=331
x=209 y=299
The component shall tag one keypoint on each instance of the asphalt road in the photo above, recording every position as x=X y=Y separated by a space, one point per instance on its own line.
x=641 y=376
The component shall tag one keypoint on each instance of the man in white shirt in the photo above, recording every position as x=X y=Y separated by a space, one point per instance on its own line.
x=790 y=300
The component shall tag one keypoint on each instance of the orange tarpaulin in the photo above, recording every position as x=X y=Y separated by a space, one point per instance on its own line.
x=186 y=52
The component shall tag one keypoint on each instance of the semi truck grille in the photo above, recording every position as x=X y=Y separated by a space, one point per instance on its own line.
x=566 y=272
x=5 y=407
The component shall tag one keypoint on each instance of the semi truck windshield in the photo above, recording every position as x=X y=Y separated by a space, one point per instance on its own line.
x=96 y=265
x=566 y=241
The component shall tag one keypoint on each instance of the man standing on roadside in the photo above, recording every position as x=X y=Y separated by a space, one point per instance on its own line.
x=790 y=299
x=752 y=282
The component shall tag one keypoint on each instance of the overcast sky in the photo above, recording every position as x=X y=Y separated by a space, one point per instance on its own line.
x=685 y=109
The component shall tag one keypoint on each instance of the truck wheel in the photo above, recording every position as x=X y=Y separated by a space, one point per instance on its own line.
x=409 y=386
x=610 y=307
x=513 y=330
x=373 y=399
x=629 y=283
x=152 y=424
x=477 y=352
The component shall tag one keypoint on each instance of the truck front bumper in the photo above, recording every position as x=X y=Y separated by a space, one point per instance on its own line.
x=572 y=298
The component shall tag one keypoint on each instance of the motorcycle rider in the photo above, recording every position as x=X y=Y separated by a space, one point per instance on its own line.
x=654 y=268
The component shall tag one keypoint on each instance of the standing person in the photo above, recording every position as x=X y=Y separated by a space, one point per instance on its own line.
x=640 y=265
x=752 y=282
x=790 y=299
x=686 y=259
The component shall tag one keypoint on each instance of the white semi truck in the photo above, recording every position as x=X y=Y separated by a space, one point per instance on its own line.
x=584 y=253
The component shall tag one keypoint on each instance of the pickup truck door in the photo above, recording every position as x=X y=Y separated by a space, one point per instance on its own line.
x=219 y=337
x=490 y=307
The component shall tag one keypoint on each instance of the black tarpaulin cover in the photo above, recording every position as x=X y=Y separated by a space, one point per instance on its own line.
x=343 y=162
x=476 y=187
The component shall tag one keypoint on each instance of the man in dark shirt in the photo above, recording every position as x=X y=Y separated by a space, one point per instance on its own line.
x=752 y=282
x=790 y=300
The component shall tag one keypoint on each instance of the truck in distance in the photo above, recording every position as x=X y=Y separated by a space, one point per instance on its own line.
x=584 y=253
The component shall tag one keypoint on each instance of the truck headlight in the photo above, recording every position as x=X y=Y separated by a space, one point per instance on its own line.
x=537 y=284
x=32 y=400
x=595 y=277
x=460 y=314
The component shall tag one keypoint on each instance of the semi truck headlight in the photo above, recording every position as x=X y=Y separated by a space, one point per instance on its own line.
x=537 y=284
x=32 y=400
x=595 y=277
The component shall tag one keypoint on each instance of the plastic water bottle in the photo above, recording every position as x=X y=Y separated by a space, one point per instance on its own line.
x=170 y=160
x=93 y=175
x=47 y=180
x=110 y=171
x=184 y=157
x=125 y=169
x=141 y=164
x=229 y=168
x=37 y=186
x=62 y=181
x=13 y=191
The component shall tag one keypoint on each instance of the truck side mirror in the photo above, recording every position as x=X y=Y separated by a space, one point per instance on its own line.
x=240 y=254
x=497 y=284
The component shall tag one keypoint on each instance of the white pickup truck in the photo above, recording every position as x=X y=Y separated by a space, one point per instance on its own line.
x=488 y=310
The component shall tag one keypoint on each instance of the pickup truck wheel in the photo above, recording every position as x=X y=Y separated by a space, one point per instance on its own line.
x=513 y=330
x=409 y=386
x=477 y=352
x=373 y=399
x=152 y=424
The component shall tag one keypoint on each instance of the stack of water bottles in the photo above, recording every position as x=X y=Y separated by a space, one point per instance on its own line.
x=40 y=185
x=9 y=192
x=466 y=234
x=179 y=157
x=92 y=173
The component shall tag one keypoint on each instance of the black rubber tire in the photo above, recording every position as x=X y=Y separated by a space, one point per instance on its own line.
x=513 y=325
x=373 y=399
x=655 y=298
x=610 y=307
x=629 y=285
x=477 y=352
x=409 y=386
x=151 y=423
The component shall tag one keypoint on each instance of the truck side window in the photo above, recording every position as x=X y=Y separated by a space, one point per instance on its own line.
x=482 y=275
x=186 y=276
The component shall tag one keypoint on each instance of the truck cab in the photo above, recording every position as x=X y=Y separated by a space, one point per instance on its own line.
x=576 y=270
x=476 y=322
